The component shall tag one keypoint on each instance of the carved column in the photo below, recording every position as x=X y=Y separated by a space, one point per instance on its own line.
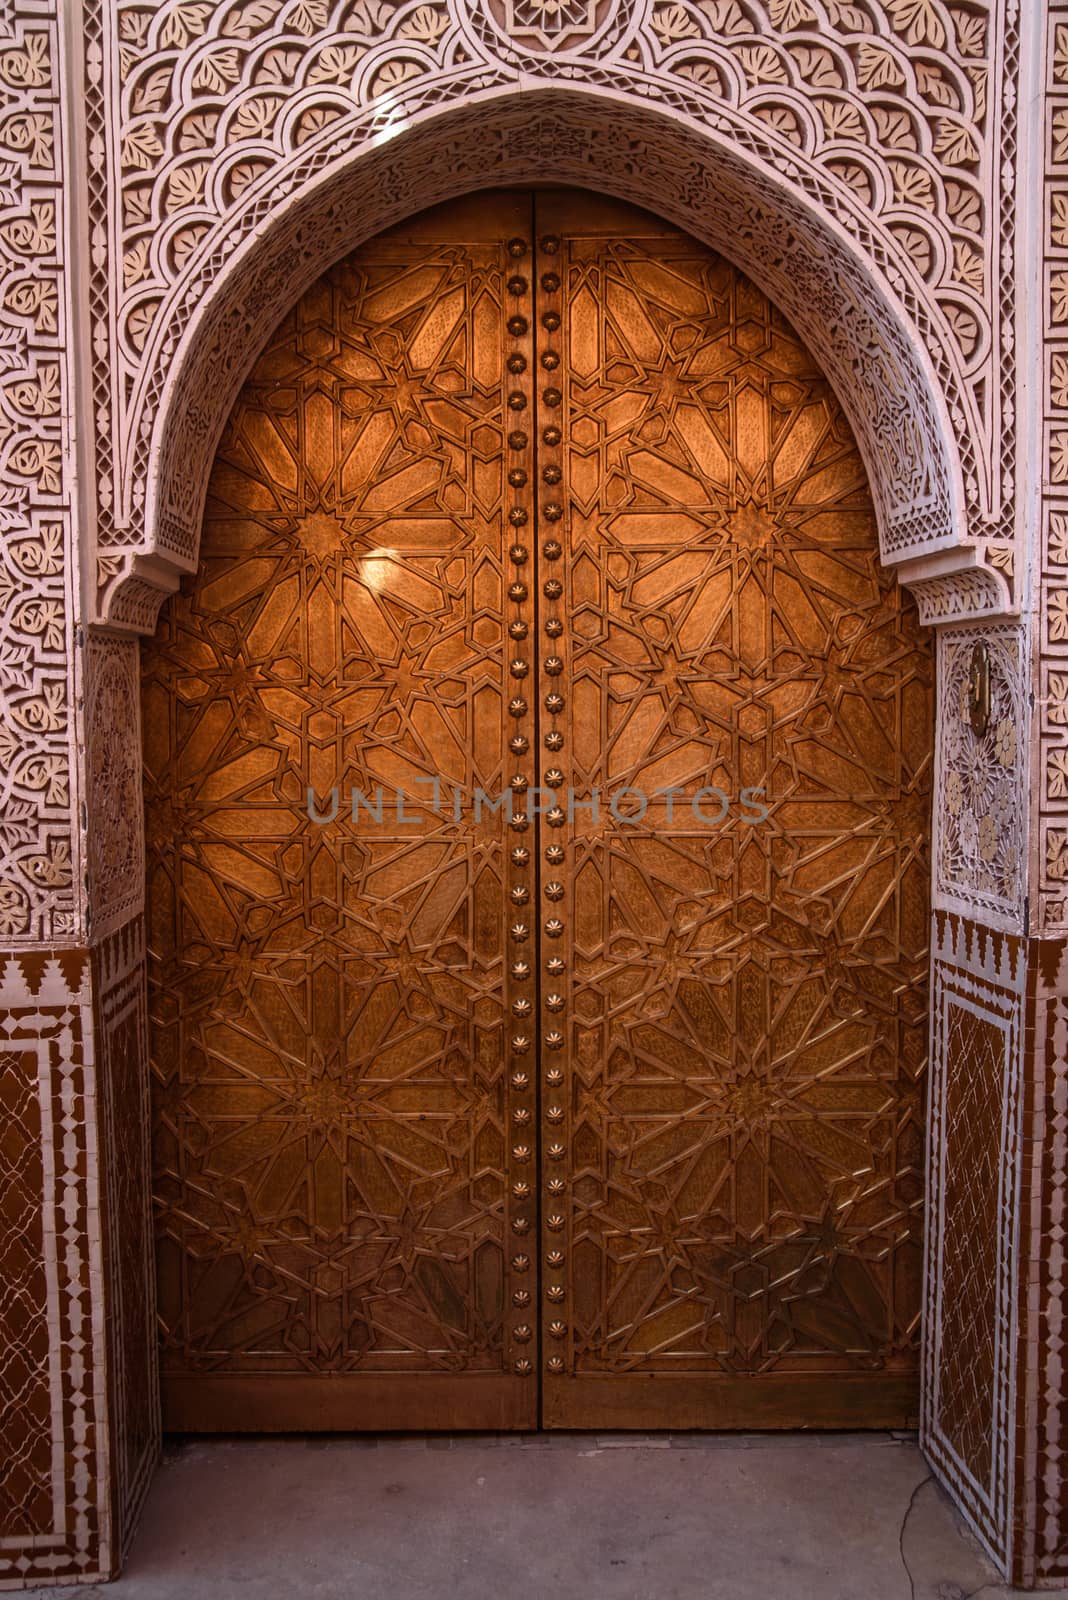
x=77 y=1400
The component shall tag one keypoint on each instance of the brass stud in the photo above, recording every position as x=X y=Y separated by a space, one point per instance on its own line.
x=550 y=360
x=520 y=1224
x=518 y=707
x=520 y=856
x=521 y=1191
x=517 y=517
x=555 y=1364
x=556 y=815
x=517 y=591
x=554 y=1077
x=520 y=823
x=520 y=895
x=520 y=1044
x=552 y=549
x=554 y=927
x=554 y=1002
x=517 y=363
x=520 y=1081
x=519 y=744
x=521 y=1333
x=517 y=400
x=551 y=473
x=555 y=1292
x=550 y=321
x=554 y=666
x=555 y=967
x=556 y=1222
x=519 y=932
x=552 y=398
x=554 y=1040
x=517 y=248
x=550 y=244
x=556 y=1152
x=521 y=1116
x=555 y=855
x=517 y=285
x=554 y=891
x=522 y=1008
x=557 y=1330
x=518 y=629
x=517 y=326
x=555 y=1113
x=554 y=740
x=552 y=588
x=551 y=436
x=550 y=282
x=518 y=553
x=520 y=1263
x=519 y=783
x=553 y=1258
x=552 y=511
x=521 y=1152
x=517 y=440
x=517 y=477
x=521 y=1298
x=524 y=1368
x=520 y=969
x=556 y=1186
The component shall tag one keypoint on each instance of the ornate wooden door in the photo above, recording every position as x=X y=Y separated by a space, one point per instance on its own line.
x=612 y=1108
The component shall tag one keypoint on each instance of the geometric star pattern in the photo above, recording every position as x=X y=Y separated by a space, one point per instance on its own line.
x=728 y=1170
x=747 y=1030
x=332 y=1167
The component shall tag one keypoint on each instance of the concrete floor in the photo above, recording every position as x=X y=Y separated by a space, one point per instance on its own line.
x=626 y=1517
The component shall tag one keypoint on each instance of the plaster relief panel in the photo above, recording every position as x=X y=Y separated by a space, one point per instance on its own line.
x=894 y=121
x=38 y=671
x=980 y=811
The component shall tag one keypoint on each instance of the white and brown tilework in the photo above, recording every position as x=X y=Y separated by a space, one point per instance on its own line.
x=974 y=1132
x=55 y=1521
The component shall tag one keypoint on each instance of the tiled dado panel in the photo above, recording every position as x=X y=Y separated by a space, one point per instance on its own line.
x=54 y=1520
x=78 y=1418
x=995 y=1412
x=1042 y=1411
x=978 y=996
x=120 y=1013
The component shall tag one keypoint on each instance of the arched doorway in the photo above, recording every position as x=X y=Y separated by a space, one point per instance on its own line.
x=602 y=1118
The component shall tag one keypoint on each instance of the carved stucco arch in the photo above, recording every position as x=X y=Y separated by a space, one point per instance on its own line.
x=839 y=285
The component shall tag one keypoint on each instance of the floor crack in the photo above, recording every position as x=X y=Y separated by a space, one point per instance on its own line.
x=928 y=1478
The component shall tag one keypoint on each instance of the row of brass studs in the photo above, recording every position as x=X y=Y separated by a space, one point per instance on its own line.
x=550 y=515
x=520 y=460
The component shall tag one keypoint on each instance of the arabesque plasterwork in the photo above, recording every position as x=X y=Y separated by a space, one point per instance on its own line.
x=877 y=117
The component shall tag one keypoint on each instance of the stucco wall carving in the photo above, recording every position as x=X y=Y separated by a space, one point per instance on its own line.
x=116 y=855
x=980 y=811
x=877 y=117
x=39 y=899
x=1051 y=888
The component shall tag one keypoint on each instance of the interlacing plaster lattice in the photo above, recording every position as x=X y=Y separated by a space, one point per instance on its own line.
x=875 y=119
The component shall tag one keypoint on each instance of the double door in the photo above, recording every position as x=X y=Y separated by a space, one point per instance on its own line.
x=537 y=779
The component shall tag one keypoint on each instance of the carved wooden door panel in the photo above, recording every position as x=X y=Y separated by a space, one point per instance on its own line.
x=338 y=1224
x=732 y=1114
x=614 y=1113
